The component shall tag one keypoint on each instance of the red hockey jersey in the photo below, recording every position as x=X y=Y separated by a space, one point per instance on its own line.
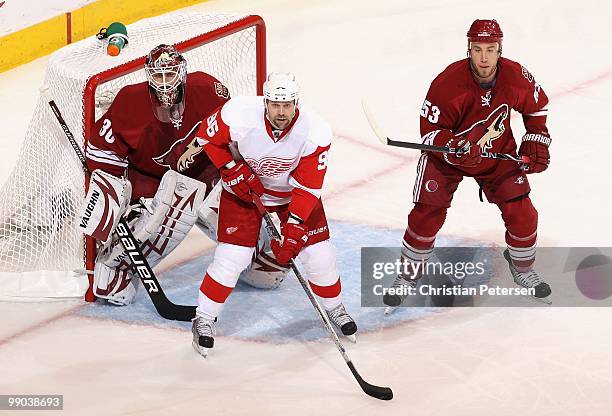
x=128 y=138
x=456 y=102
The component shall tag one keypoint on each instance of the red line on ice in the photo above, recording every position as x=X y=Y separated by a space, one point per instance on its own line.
x=39 y=325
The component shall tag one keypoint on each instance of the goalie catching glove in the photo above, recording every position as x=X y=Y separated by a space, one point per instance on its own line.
x=294 y=238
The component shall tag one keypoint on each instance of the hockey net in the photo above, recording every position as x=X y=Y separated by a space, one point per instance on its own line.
x=43 y=255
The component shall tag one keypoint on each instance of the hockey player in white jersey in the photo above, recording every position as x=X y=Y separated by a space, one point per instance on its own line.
x=283 y=151
x=145 y=162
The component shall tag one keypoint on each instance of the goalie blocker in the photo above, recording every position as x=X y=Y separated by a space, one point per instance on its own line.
x=159 y=224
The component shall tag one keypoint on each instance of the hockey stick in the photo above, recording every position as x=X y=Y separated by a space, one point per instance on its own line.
x=430 y=148
x=164 y=306
x=381 y=393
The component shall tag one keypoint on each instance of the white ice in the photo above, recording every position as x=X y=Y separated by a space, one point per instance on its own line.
x=473 y=361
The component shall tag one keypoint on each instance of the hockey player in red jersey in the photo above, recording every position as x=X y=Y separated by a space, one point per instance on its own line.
x=468 y=106
x=283 y=159
x=144 y=154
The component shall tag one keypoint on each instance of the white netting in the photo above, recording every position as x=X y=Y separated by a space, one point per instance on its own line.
x=40 y=244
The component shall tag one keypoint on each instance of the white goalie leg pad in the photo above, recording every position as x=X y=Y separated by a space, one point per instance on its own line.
x=264 y=272
x=114 y=284
x=106 y=201
x=159 y=225
x=208 y=212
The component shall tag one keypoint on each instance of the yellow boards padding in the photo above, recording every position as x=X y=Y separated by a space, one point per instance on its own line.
x=43 y=38
x=88 y=20
x=32 y=42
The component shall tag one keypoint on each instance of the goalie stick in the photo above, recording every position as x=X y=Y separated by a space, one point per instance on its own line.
x=381 y=393
x=163 y=305
x=420 y=146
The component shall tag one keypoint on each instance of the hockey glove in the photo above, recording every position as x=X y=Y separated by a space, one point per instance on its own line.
x=295 y=237
x=468 y=149
x=535 y=147
x=242 y=181
x=467 y=154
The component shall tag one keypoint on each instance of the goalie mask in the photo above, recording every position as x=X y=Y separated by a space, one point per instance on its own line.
x=166 y=71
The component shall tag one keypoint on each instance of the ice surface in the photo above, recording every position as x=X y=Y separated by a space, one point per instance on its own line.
x=272 y=357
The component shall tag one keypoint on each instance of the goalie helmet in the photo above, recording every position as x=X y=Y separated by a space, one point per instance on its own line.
x=281 y=86
x=487 y=31
x=166 y=71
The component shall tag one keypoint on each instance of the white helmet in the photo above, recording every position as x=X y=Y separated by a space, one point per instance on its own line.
x=281 y=86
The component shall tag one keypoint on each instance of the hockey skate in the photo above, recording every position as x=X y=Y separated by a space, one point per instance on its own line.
x=204 y=332
x=343 y=320
x=530 y=280
x=401 y=286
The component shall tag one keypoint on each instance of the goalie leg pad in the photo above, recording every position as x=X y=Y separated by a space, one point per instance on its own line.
x=208 y=212
x=114 y=284
x=106 y=201
x=264 y=271
x=158 y=224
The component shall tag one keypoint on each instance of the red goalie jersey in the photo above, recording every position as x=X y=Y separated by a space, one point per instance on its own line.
x=130 y=140
x=455 y=103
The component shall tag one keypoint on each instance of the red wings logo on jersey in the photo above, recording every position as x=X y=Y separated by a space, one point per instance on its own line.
x=182 y=153
x=493 y=127
x=271 y=166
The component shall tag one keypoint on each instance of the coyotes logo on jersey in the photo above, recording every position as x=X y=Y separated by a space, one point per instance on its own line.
x=494 y=127
x=181 y=154
x=271 y=166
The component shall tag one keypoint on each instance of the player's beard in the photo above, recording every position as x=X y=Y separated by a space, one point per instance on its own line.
x=281 y=122
x=487 y=72
x=483 y=73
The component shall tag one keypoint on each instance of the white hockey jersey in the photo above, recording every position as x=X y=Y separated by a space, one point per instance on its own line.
x=291 y=166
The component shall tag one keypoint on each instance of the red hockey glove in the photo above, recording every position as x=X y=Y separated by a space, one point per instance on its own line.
x=468 y=154
x=242 y=181
x=295 y=237
x=535 y=147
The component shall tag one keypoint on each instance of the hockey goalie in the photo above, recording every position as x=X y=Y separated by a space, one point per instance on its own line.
x=148 y=166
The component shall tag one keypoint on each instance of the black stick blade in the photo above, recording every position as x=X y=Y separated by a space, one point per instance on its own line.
x=380 y=393
x=174 y=312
